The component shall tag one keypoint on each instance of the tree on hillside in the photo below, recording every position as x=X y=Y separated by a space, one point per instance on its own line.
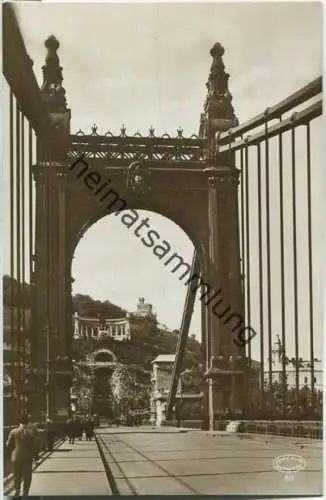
x=82 y=386
x=12 y=291
x=87 y=306
x=82 y=347
x=122 y=388
x=192 y=379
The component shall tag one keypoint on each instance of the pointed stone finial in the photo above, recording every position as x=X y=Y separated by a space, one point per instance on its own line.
x=94 y=129
x=52 y=91
x=52 y=44
x=217 y=50
x=218 y=111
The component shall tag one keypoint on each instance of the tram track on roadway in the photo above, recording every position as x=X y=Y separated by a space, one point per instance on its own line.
x=147 y=459
x=110 y=477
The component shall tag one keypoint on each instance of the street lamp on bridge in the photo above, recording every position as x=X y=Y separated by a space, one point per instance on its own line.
x=50 y=366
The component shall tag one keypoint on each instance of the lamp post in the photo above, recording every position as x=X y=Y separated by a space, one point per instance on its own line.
x=47 y=372
x=91 y=379
x=49 y=368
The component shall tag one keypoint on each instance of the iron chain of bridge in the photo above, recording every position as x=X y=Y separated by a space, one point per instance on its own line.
x=265 y=152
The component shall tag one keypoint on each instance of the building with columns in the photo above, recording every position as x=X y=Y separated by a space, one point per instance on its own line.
x=117 y=328
x=90 y=327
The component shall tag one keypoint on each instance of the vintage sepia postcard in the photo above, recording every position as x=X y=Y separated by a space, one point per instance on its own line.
x=162 y=252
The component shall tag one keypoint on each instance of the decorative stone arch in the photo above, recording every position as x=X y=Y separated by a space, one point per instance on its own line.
x=174 y=211
x=102 y=353
x=186 y=180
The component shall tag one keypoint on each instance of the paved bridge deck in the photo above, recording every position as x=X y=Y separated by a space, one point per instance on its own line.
x=171 y=461
x=72 y=470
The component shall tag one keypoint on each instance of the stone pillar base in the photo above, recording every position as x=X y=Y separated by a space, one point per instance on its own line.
x=226 y=393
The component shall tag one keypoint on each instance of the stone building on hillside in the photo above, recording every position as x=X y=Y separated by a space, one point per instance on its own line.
x=144 y=309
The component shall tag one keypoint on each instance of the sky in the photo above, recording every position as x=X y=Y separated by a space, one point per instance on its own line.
x=143 y=65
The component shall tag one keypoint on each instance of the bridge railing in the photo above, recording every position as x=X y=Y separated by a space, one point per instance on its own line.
x=311 y=429
x=278 y=154
x=232 y=139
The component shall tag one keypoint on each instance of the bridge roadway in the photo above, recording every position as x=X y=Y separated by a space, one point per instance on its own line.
x=177 y=461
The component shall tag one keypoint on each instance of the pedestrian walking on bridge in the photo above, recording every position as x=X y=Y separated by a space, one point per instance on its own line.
x=50 y=434
x=89 y=429
x=71 y=431
x=79 y=428
x=22 y=444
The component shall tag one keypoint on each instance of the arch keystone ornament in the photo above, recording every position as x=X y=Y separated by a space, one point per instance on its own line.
x=138 y=177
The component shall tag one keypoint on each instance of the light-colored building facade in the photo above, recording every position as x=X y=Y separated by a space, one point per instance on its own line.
x=161 y=381
x=90 y=327
x=304 y=373
x=304 y=370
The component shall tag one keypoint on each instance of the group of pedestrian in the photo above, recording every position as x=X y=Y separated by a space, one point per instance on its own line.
x=77 y=426
x=22 y=446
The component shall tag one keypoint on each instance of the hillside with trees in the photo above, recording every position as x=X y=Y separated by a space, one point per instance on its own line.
x=148 y=340
x=86 y=306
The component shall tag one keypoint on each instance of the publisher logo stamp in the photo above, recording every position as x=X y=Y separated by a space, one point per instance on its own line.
x=289 y=465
